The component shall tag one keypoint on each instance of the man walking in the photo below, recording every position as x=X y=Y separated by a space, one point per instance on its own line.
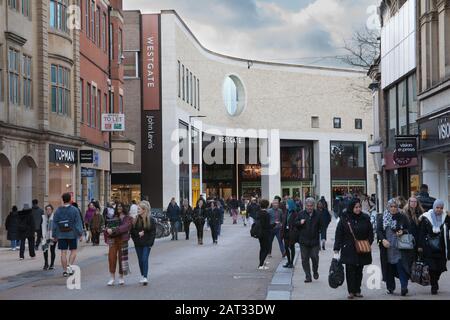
x=309 y=223
x=424 y=197
x=275 y=214
x=173 y=213
x=37 y=216
x=67 y=229
x=252 y=210
x=26 y=231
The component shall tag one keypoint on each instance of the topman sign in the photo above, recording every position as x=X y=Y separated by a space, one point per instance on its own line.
x=61 y=154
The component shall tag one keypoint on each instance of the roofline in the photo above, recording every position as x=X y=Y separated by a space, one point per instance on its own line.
x=277 y=64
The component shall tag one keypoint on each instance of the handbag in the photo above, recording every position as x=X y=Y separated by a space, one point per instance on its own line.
x=362 y=246
x=420 y=273
x=406 y=242
x=434 y=243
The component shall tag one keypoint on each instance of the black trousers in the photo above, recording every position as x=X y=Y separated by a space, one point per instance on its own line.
x=95 y=235
x=214 y=231
x=290 y=251
x=52 y=255
x=186 y=226
x=31 y=247
x=200 y=227
x=434 y=279
x=264 y=244
x=38 y=239
x=354 y=276
x=310 y=253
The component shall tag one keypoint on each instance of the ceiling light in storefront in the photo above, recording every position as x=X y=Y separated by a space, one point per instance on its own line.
x=67 y=166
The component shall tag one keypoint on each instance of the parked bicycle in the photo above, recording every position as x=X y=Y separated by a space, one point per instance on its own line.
x=162 y=225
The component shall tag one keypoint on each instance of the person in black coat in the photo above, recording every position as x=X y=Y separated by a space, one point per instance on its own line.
x=326 y=220
x=199 y=219
x=289 y=232
x=266 y=228
x=186 y=217
x=413 y=210
x=173 y=213
x=12 y=227
x=434 y=242
x=252 y=209
x=213 y=214
x=37 y=217
x=26 y=228
x=361 y=228
x=309 y=222
x=143 y=234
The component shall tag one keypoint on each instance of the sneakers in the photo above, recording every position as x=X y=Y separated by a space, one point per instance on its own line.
x=121 y=281
x=144 y=281
x=70 y=270
x=263 y=268
x=308 y=280
x=110 y=282
x=65 y=274
x=404 y=292
x=51 y=268
x=45 y=267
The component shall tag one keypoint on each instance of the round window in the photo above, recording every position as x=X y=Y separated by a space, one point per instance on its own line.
x=233 y=95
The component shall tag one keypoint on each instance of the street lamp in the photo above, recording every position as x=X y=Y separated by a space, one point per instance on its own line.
x=190 y=160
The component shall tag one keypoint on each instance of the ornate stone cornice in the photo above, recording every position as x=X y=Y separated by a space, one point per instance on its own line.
x=14 y=37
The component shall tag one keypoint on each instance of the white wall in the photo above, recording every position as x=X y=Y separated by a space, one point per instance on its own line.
x=434 y=170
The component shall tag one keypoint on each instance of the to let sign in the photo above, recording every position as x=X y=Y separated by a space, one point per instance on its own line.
x=113 y=122
x=406 y=147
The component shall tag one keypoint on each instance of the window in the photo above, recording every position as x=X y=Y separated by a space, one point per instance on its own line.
x=111 y=41
x=190 y=79
x=105 y=103
x=182 y=80
x=131 y=64
x=27 y=87
x=337 y=123
x=187 y=86
x=104 y=31
x=87 y=5
x=198 y=94
x=358 y=124
x=58 y=15
x=314 y=122
x=88 y=104
x=413 y=106
x=93 y=107
x=195 y=92
x=13 y=75
x=179 y=79
x=26 y=8
x=233 y=95
x=97 y=27
x=120 y=104
x=83 y=116
x=99 y=108
x=92 y=17
x=60 y=78
x=348 y=160
x=1 y=73
x=112 y=103
x=13 y=4
x=119 y=43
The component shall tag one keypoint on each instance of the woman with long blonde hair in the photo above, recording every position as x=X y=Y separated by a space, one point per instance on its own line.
x=143 y=234
x=413 y=210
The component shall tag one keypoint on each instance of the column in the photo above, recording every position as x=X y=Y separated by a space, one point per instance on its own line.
x=270 y=166
x=322 y=168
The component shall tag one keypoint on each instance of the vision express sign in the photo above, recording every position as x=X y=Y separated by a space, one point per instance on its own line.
x=406 y=147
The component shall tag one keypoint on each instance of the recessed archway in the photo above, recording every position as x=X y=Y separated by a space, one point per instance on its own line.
x=26 y=180
x=5 y=187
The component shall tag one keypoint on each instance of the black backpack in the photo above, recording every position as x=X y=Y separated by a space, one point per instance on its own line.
x=336 y=275
x=255 y=230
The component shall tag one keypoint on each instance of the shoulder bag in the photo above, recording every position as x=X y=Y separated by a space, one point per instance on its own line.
x=362 y=246
x=406 y=242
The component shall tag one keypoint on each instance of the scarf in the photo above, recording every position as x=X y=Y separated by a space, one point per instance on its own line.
x=124 y=259
x=389 y=221
x=435 y=220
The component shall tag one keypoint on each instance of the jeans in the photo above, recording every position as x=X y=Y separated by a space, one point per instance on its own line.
x=52 y=249
x=143 y=254
x=276 y=232
x=308 y=253
x=264 y=249
x=15 y=244
x=38 y=238
x=174 y=225
x=403 y=276
x=199 y=227
x=30 y=247
x=354 y=276
x=290 y=251
x=214 y=231
x=186 y=229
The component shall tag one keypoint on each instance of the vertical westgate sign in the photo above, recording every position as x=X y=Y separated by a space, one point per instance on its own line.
x=151 y=119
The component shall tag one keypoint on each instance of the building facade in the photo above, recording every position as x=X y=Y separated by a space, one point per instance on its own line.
x=39 y=114
x=224 y=126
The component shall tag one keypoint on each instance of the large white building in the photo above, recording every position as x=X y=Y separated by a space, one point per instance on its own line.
x=314 y=123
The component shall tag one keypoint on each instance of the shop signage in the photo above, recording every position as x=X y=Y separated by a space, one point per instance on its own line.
x=87 y=173
x=86 y=156
x=233 y=140
x=60 y=154
x=150 y=62
x=401 y=161
x=406 y=147
x=435 y=132
x=113 y=122
x=444 y=129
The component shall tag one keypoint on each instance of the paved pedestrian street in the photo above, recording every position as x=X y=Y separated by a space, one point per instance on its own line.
x=178 y=270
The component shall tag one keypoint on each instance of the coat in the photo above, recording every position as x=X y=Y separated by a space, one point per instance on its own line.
x=326 y=220
x=149 y=233
x=26 y=226
x=289 y=231
x=12 y=226
x=187 y=214
x=173 y=212
x=264 y=220
x=309 y=233
x=37 y=217
x=426 y=201
x=47 y=227
x=97 y=223
x=252 y=210
x=71 y=214
x=435 y=261
x=213 y=216
x=122 y=232
x=199 y=215
x=345 y=243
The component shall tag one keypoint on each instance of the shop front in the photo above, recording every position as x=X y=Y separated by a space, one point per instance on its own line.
x=62 y=173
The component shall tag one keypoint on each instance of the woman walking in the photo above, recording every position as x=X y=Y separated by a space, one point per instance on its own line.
x=12 y=226
x=353 y=225
x=96 y=226
x=117 y=235
x=325 y=216
x=397 y=262
x=186 y=217
x=90 y=212
x=199 y=219
x=264 y=238
x=213 y=214
x=143 y=234
x=289 y=232
x=47 y=238
x=413 y=211
x=434 y=242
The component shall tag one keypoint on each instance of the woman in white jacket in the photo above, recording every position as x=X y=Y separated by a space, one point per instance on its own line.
x=47 y=239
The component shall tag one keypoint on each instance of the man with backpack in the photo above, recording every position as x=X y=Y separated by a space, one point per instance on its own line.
x=67 y=229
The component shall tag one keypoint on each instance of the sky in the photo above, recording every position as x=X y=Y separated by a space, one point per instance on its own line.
x=308 y=32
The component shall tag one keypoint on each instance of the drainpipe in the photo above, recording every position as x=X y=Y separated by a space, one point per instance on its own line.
x=110 y=97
